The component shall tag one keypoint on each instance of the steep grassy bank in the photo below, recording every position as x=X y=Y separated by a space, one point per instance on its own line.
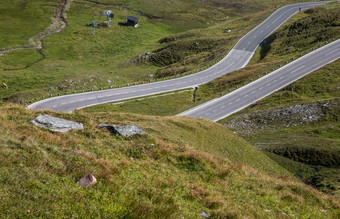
x=182 y=168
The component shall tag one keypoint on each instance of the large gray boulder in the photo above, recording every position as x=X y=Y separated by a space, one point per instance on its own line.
x=125 y=131
x=56 y=124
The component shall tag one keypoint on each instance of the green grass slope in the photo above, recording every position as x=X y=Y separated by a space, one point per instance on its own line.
x=183 y=167
x=22 y=20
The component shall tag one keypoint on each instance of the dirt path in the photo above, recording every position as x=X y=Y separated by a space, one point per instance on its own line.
x=35 y=42
x=58 y=24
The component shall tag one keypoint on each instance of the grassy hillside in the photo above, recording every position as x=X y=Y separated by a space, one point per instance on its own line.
x=303 y=149
x=76 y=60
x=183 y=167
x=23 y=19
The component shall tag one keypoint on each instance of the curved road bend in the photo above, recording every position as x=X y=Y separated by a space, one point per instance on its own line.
x=239 y=99
x=237 y=58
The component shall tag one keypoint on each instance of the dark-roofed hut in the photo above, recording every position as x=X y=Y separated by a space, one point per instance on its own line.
x=132 y=21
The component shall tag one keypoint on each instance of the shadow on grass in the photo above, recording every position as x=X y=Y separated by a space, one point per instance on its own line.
x=266 y=46
x=124 y=24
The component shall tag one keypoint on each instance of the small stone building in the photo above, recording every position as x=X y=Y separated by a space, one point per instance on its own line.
x=132 y=21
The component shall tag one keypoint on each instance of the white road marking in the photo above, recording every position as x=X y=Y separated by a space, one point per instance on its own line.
x=261 y=31
x=238 y=99
x=222 y=107
x=268 y=84
x=228 y=66
x=281 y=78
x=246 y=95
x=297 y=69
x=214 y=111
x=230 y=103
x=274 y=81
x=261 y=88
x=331 y=51
x=253 y=92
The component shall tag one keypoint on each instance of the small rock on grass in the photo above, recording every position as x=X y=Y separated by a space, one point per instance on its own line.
x=87 y=180
x=204 y=214
x=125 y=131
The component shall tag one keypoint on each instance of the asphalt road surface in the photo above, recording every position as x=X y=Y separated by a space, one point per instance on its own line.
x=239 y=99
x=237 y=58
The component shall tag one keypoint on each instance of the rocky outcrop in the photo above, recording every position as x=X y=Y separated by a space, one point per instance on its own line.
x=125 y=131
x=87 y=180
x=56 y=124
x=281 y=117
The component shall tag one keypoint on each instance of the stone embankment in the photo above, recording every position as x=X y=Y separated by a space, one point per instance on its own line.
x=282 y=117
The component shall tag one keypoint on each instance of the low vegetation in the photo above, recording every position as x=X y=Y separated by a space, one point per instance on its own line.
x=184 y=167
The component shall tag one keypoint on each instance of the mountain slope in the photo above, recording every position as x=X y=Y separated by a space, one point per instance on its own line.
x=182 y=168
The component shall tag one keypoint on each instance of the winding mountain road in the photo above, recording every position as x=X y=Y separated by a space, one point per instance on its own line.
x=237 y=58
x=239 y=99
